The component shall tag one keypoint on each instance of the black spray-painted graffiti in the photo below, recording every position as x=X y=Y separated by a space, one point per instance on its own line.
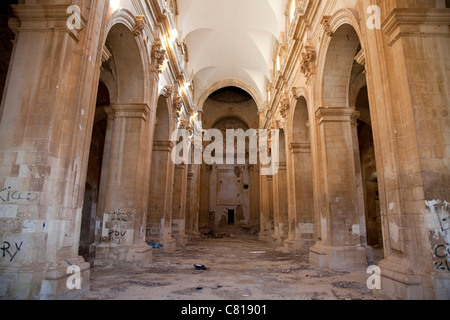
x=116 y=236
x=120 y=216
x=7 y=247
x=440 y=236
x=9 y=195
x=442 y=252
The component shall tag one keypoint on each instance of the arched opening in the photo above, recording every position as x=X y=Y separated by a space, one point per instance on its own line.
x=229 y=186
x=369 y=176
x=125 y=65
x=111 y=211
x=346 y=156
x=91 y=195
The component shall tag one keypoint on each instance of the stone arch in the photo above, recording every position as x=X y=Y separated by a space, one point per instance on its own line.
x=344 y=26
x=129 y=56
x=163 y=124
x=229 y=83
x=299 y=120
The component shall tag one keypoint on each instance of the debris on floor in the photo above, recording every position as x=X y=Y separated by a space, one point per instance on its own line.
x=237 y=275
x=200 y=267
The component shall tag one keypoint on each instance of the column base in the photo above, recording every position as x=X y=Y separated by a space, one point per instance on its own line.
x=182 y=240
x=279 y=239
x=59 y=281
x=40 y=282
x=140 y=255
x=194 y=235
x=399 y=282
x=265 y=237
x=297 y=245
x=338 y=257
x=169 y=244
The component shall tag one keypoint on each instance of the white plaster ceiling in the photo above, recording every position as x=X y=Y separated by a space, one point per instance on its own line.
x=231 y=40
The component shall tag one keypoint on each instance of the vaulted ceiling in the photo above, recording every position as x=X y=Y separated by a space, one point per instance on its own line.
x=231 y=40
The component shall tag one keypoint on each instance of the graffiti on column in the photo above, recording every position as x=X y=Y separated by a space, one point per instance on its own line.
x=440 y=211
x=119 y=220
x=10 y=252
x=9 y=195
x=120 y=216
x=116 y=236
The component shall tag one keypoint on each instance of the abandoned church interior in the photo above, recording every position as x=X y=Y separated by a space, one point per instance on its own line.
x=355 y=93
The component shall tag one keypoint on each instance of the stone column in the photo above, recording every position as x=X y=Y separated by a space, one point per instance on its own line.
x=124 y=219
x=340 y=246
x=161 y=190
x=48 y=107
x=179 y=204
x=408 y=91
x=280 y=204
x=194 y=200
x=289 y=243
x=264 y=233
x=304 y=230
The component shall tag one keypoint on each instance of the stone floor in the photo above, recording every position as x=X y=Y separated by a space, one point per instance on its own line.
x=238 y=269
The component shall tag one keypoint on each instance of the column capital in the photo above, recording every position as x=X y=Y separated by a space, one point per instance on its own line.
x=39 y=18
x=131 y=110
x=300 y=148
x=325 y=114
x=402 y=22
x=165 y=146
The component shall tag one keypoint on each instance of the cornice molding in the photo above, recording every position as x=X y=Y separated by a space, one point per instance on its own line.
x=406 y=22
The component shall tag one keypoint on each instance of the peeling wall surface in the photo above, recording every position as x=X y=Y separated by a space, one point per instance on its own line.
x=439 y=223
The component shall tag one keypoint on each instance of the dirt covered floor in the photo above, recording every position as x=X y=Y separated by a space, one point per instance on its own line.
x=238 y=269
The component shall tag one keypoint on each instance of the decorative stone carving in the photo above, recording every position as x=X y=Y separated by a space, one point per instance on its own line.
x=139 y=27
x=284 y=108
x=172 y=6
x=307 y=66
x=167 y=91
x=178 y=104
x=158 y=55
x=326 y=25
x=301 y=7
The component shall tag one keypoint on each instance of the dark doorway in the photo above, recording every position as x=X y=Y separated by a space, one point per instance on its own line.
x=231 y=217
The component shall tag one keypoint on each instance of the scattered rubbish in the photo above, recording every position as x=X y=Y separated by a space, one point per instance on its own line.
x=258 y=252
x=214 y=235
x=245 y=295
x=200 y=267
x=199 y=288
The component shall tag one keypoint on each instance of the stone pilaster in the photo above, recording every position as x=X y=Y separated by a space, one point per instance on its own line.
x=159 y=224
x=280 y=204
x=303 y=233
x=340 y=245
x=179 y=204
x=124 y=218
